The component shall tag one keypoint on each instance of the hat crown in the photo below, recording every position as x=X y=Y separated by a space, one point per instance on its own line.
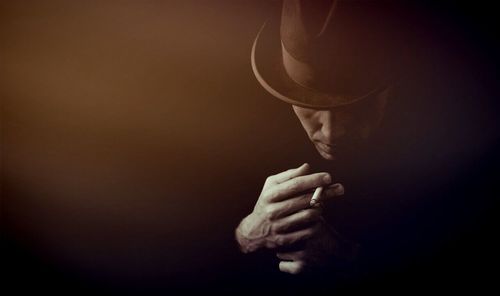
x=334 y=46
x=302 y=23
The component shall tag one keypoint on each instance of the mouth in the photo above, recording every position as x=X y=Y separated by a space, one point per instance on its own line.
x=328 y=151
x=330 y=148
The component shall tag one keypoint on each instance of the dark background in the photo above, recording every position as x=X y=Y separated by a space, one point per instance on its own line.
x=134 y=138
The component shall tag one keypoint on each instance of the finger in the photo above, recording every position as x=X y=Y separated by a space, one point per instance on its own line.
x=329 y=193
x=292 y=256
x=297 y=185
x=292 y=205
x=289 y=174
x=292 y=267
x=289 y=239
x=297 y=220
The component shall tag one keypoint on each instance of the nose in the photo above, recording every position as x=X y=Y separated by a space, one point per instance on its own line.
x=331 y=128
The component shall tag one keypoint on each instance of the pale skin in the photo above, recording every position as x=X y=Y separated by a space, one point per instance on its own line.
x=283 y=217
x=332 y=127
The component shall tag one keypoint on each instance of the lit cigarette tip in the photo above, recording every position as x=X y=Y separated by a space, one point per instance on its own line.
x=316 y=196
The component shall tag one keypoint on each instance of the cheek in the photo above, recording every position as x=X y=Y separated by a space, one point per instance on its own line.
x=310 y=127
x=308 y=121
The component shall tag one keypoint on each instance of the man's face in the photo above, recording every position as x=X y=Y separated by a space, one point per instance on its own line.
x=333 y=129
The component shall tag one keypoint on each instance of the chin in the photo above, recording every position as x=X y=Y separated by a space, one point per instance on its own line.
x=326 y=155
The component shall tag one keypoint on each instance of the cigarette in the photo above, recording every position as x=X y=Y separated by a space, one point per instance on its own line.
x=316 y=195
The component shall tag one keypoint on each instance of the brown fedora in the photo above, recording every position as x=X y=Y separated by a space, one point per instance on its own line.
x=324 y=54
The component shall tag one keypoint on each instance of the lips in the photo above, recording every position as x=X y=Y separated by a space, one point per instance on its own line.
x=326 y=147
x=326 y=151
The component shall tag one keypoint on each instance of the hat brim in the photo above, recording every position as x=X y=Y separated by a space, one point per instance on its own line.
x=267 y=66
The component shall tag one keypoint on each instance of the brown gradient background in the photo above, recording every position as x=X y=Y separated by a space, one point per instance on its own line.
x=117 y=131
x=130 y=132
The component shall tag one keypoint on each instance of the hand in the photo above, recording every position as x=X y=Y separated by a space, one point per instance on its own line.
x=320 y=251
x=282 y=215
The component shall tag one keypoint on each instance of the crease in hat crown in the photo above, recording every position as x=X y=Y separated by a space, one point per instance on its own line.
x=299 y=66
x=296 y=56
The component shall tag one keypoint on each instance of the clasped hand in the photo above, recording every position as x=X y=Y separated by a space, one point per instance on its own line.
x=284 y=221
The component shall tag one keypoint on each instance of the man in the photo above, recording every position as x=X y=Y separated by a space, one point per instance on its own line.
x=337 y=105
x=337 y=63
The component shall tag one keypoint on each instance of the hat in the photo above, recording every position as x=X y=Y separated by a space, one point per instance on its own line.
x=324 y=54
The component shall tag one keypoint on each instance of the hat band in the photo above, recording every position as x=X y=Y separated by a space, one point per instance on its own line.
x=300 y=72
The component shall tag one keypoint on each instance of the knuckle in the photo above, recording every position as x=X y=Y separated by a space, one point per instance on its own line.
x=272 y=194
x=279 y=240
x=270 y=211
x=278 y=227
x=270 y=179
x=264 y=194
x=296 y=182
x=294 y=185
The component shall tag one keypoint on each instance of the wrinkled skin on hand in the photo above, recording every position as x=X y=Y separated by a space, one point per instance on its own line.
x=283 y=218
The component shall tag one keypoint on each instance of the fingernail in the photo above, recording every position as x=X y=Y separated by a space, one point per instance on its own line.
x=327 y=179
x=338 y=188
